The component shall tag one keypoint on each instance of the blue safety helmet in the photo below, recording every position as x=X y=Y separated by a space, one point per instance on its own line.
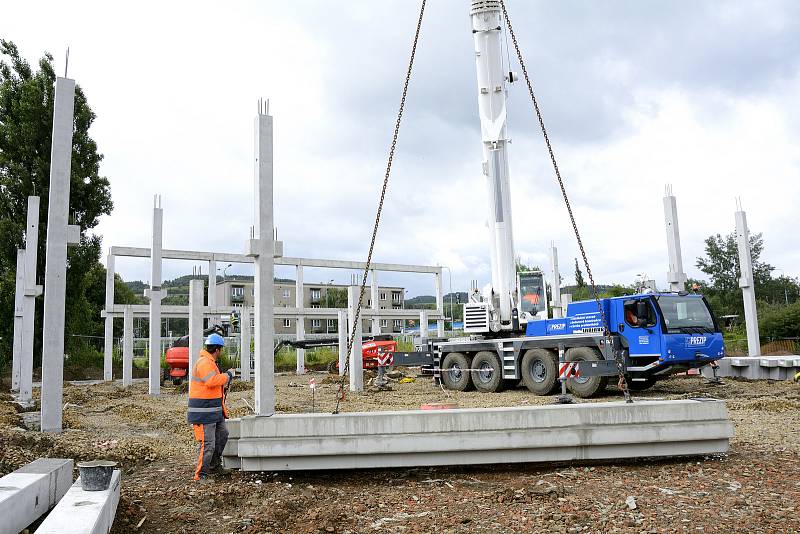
x=215 y=339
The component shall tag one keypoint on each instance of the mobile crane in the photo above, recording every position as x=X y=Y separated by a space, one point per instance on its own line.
x=640 y=338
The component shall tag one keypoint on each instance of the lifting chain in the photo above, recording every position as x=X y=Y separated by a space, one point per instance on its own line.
x=351 y=338
x=623 y=385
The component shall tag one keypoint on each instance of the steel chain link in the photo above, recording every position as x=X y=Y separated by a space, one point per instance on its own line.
x=351 y=338
x=606 y=331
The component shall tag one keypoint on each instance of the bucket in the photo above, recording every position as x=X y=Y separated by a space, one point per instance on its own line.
x=96 y=475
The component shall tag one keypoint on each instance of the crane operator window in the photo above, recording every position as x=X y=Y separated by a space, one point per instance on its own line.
x=532 y=292
x=639 y=314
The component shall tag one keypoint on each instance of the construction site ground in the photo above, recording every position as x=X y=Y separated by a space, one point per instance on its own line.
x=754 y=488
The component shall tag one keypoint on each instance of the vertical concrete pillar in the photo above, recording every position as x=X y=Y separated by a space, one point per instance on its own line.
x=31 y=291
x=19 y=290
x=195 y=323
x=747 y=285
x=155 y=294
x=56 y=257
x=555 y=288
x=300 y=324
x=262 y=248
x=376 y=305
x=423 y=324
x=212 y=293
x=355 y=355
x=127 y=346
x=566 y=300
x=676 y=278
x=245 y=332
x=108 y=352
x=343 y=333
x=439 y=304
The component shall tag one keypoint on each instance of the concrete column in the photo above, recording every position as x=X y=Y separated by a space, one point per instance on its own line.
x=423 y=324
x=212 y=292
x=31 y=291
x=56 y=257
x=747 y=285
x=343 y=333
x=355 y=355
x=300 y=324
x=555 y=288
x=245 y=332
x=195 y=323
x=108 y=353
x=19 y=290
x=155 y=294
x=262 y=249
x=676 y=278
x=566 y=300
x=127 y=346
x=376 y=305
x=440 y=304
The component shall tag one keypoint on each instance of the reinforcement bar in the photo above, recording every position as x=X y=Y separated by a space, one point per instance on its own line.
x=479 y=436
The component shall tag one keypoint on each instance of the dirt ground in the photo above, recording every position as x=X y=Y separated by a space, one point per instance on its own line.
x=755 y=488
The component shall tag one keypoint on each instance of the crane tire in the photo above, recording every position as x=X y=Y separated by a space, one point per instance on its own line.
x=455 y=374
x=589 y=386
x=540 y=371
x=487 y=374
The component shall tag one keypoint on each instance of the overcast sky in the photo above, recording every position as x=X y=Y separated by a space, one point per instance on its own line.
x=636 y=94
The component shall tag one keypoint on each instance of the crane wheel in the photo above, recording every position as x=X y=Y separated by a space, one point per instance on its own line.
x=455 y=372
x=585 y=386
x=487 y=374
x=540 y=371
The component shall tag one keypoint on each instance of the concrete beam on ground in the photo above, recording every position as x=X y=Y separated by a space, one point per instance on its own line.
x=300 y=323
x=555 y=287
x=756 y=368
x=32 y=490
x=56 y=256
x=747 y=285
x=676 y=277
x=127 y=347
x=84 y=512
x=261 y=247
x=549 y=433
x=355 y=354
x=155 y=294
x=108 y=335
x=19 y=290
x=343 y=333
x=195 y=323
x=246 y=356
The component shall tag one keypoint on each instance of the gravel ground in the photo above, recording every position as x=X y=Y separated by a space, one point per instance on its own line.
x=755 y=488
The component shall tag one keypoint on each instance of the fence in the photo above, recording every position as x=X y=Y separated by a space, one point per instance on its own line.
x=772 y=347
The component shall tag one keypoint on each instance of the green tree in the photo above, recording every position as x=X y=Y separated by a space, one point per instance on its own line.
x=26 y=123
x=335 y=297
x=579 y=275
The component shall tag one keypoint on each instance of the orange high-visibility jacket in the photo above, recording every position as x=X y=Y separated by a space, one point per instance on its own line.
x=206 y=391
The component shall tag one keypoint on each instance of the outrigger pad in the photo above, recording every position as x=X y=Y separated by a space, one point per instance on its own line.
x=589 y=431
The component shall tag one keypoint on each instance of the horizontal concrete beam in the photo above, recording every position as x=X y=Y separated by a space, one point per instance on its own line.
x=84 y=512
x=479 y=436
x=757 y=367
x=168 y=254
x=29 y=492
x=143 y=310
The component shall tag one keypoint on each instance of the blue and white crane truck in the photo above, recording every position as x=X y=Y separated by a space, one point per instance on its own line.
x=510 y=337
x=656 y=335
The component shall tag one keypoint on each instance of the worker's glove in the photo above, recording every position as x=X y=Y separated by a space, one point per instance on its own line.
x=231 y=375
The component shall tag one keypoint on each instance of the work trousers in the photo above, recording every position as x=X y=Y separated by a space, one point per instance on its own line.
x=211 y=439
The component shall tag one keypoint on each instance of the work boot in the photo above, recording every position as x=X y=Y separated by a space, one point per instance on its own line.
x=204 y=479
x=219 y=469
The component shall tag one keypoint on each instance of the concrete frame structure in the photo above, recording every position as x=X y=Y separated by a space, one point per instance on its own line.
x=19 y=288
x=127 y=347
x=108 y=352
x=344 y=330
x=156 y=294
x=676 y=277
x=59 y=234
x=300 y=326
x=31 y=491
x=555 y=288
x=746 y=283
x=245 y=356
x=195 y=323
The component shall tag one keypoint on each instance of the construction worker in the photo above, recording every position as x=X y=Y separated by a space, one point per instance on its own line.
x=207 y=412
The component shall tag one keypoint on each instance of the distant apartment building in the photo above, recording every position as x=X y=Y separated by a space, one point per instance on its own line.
x=239 y=292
